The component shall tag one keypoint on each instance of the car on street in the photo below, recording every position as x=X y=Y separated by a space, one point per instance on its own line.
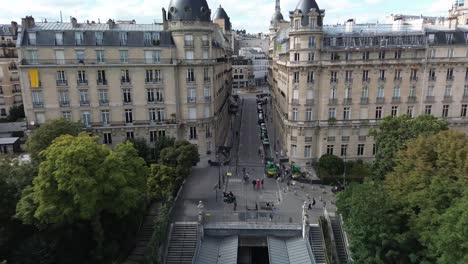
x=265 y=141
x=263 y=127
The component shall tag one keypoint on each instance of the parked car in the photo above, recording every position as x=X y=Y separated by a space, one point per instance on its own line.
x=263 y=127
x=265 y=141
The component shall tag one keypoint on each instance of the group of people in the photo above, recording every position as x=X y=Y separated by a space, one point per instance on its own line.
x=257 y=184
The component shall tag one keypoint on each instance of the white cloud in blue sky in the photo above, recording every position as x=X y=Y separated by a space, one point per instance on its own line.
x=252 y=15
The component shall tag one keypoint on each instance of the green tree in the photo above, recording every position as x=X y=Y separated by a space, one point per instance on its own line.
x=160 y=144
x=392 y=134
x=143 y=149
x=161 y=182
x=14 y=177
x=431 y=177
x=16 y=113
x=80 y=179
x=42 y=137
x=374 y=225
x=330 y=167
x=183 y=156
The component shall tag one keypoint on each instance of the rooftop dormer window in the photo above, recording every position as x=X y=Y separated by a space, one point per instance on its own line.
x=79 y=38
x=99 y=37
x=123 y=38
x=32 y=38
x=431 y=38
x=59 y=38
x=449 y=38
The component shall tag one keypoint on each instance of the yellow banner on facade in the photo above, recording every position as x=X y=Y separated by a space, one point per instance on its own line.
x=34 y=78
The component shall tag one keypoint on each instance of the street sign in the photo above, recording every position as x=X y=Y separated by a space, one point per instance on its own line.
x=229 y=174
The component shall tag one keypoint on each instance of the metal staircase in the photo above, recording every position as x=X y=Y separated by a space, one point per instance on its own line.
x=339 y=240
x=182 y=243
x=317 y=244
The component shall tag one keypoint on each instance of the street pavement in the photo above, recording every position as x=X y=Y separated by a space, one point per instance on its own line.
x=288 y=201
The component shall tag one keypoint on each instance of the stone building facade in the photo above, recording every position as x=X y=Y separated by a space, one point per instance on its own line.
x=10 y=89
x=131 y=80
x=331 y=84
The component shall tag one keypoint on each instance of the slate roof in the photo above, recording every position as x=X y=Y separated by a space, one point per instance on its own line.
x=304 y=6
x=289 y=251
x=214 y=250
x=189 y=10
x=45 y=34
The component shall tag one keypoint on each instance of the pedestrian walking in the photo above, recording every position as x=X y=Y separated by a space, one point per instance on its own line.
x=258 y=184
x=313 y=202
x=253 y=183
x=310 y=206
x=235 y=205
x=262 y=183
x=276 y=153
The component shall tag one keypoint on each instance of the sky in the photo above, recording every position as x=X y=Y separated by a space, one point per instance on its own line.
x=251 y=15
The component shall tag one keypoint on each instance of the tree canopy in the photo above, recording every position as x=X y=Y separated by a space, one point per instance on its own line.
x=418 y=213
x=43 y=136
x=392 y=134
x=182 y=156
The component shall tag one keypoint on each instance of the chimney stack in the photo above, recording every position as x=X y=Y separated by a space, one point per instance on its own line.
x=27 y=22
x=74 y=22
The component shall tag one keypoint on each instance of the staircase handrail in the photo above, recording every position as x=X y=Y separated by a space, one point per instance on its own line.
x=345 y=239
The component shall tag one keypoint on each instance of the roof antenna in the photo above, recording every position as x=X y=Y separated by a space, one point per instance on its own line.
x=61 y=19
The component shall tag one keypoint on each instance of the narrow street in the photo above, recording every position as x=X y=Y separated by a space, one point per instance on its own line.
x=288 y=201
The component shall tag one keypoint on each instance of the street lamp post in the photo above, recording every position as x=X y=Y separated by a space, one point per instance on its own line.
x=344 y=170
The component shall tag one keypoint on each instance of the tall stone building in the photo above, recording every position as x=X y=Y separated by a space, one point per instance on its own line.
x=131 y=80
x=10 y=90
x=331 y=84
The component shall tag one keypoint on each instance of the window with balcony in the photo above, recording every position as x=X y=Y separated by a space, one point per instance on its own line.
x=207 y=94
x=382 y=55
x=127 y=96
x=307 y=151
x=410 y=111
x=311 y=42
x=67 y=115
x=155 y=95
x=450 y=53
x=153 y=136
x=428 y=110
x=100 y=56
x=64 y=99
x=397 y=75
x=380 y=92
x=334 y=56
x=123 y=56
x=450 y=74
x=394 y=110
x=61 y=78
x=157 y=114
x=378 y=112
x=448 y=91
x=105 y=117
x=79 y=38
x=294 y=114
x=398 y=54
x=331 y=112
x=445 y=110
x=365 y=75
x=310 y=77
x=365 y=55
x=205 y=41
x=206 y=74
x=412 y=91
x=193 y=133
x=432 y=74
x=60 y=57
x=333 y=76
x=365 y=92
x=189 y=55
x=99 y=37
x=344 y=150
x=396 y=93
x=348 y=76
x=346 y=113
x=414 y=75
x=80 y=56
x=311 y=56
x=297 y=56
x=190 y=75
x=124 y=76
x=465 y=91
x=130 y=135
x=348 y=56
x=84 y=97
x=123 y=37
x=308 y=114
x=293 y=150
x=348 y=93
x=191 y=95
x=81 y=78
x=382 y=75
x=464 y=110
x=103 y=97
x=86 y=118
x=296 y=77
x=128 y=116
x=107 y=138
x=188 y=40
x=33 y=58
